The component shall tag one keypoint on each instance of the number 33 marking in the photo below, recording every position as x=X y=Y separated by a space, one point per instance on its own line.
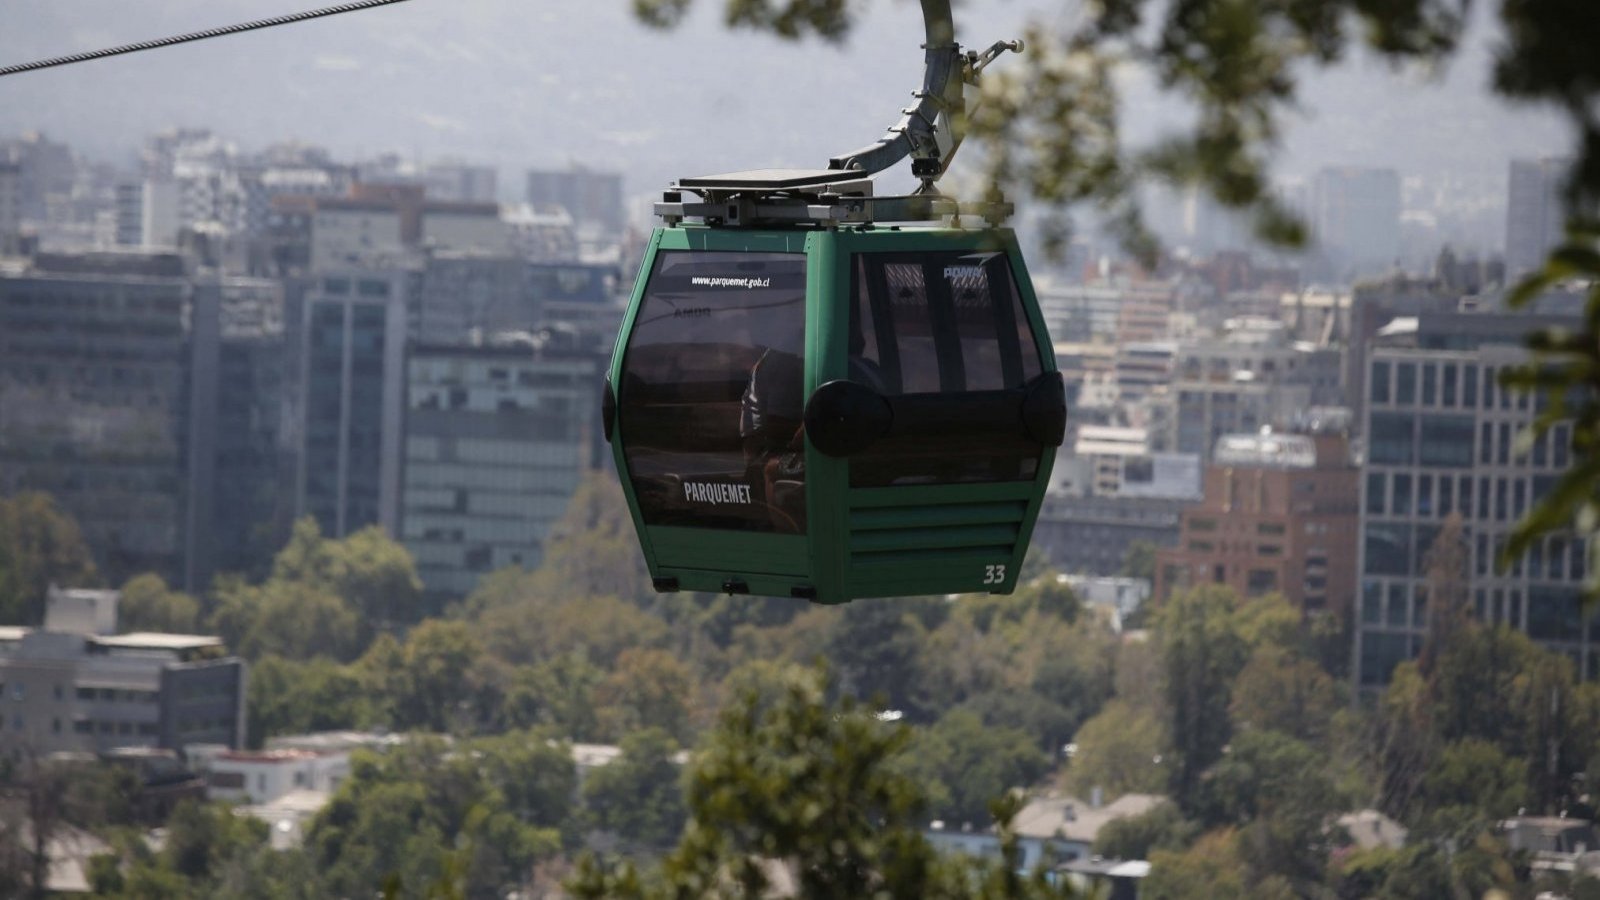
x=994 y=574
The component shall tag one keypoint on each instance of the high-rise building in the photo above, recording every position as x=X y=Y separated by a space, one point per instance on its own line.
x=10 y=207
x=1441 y=439
x=161 y=214
x=1279 y=516
x=1250 y=377
x=45 y=173
x=244 y=504
x=593 y=198
x=462 y=292
x=93 y=399
x=129 y=211
x=495 y=444
x=1534 y=214
x=1356 y=220
x=460 y=182
x=351 y=398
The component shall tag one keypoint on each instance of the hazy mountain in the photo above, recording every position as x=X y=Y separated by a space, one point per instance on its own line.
x=540 y=82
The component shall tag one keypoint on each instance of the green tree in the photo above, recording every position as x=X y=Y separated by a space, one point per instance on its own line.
x=647 y=689
x=1278 y=690
x=965 y=765
x=1472 y=785
x=434 y=687
x=40 y=545
x=1135 y=837
x=639 y=796
x=289 y=697
x=368 y=570
x=201 y=837
x=1279 y=794
x=1203 y=649
x=1210 y=868
x=791 y=781
x=291 y=619
x=523 y=622
x=593 y=550
x=876 y=647
x=1122 y=750
x=148 y=604
x=396 y=818
x=558 y=692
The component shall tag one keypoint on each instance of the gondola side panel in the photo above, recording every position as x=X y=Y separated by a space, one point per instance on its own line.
x=827 y=483
x=1047 y=357
x=948 y=536
x=614 y=378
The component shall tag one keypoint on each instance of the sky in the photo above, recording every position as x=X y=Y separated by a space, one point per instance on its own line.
x=521 y=83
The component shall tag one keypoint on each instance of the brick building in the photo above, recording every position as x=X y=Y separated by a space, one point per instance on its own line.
x=1280 y=514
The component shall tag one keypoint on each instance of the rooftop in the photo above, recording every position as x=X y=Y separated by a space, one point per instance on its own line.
x=274 y=757
x=1075 y=820
x=1276 y=451
x=154 y=640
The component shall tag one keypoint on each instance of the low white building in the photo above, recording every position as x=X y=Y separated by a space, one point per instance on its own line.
x=1121 y=595
x=262 y=776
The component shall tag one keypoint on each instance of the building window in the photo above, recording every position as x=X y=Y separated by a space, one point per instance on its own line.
x=1388 y=549
x=1405 y=392
x=1430 y=380
x=83 y=726
x=1424 y=495
x=1261 y=581
x=1402 y=495
x=1446 y=441
x=1448 y=392
x=1270 y=528
x=1398 y=614
x=1391 y=439
x=1380 y=382
x=1269 y=550
x=1371 y=602
x=1198 y=524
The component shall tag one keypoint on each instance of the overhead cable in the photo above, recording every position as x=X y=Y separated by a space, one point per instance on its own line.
x=194 y=36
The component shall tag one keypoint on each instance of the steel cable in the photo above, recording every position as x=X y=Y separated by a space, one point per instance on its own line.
x=194 y=36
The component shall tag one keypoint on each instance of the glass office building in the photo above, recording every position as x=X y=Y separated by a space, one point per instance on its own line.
x=351 y=401
x=496 y=441
x=1441 y=439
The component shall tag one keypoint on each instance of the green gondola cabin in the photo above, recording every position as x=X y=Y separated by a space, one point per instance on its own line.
x=833 y=412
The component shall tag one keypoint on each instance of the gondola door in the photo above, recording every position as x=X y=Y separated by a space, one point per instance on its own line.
x=943 y=496
x=709 y=398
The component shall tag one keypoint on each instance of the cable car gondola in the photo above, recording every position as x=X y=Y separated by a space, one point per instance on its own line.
x=822 y=394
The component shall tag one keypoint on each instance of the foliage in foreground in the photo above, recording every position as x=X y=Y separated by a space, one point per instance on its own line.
x=792 y=790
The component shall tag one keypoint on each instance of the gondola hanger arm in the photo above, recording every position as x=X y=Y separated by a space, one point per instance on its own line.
x=931 y=131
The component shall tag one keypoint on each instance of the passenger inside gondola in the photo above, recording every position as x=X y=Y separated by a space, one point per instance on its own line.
x=712 y=395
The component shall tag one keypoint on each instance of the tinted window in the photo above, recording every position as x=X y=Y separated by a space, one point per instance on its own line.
x=1446 y=441
x=941 y=323
x=711 y=399
x=1391 y=440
